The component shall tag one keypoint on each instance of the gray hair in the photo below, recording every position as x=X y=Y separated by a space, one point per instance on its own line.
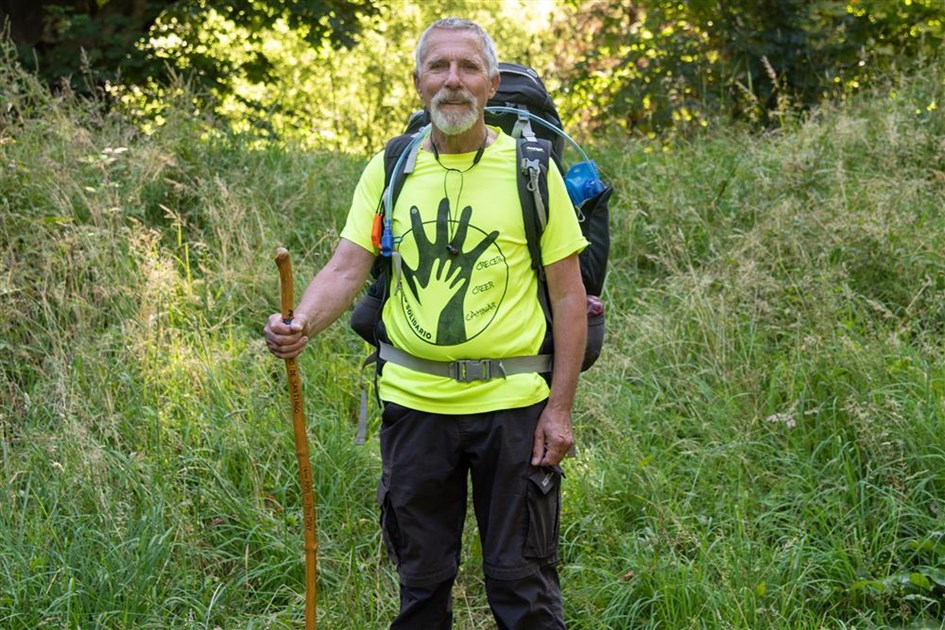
x=460 y=24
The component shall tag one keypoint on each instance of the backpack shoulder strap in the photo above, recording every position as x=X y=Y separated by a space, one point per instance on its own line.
x=534 y=157
x=397 y=165
x=392 y=152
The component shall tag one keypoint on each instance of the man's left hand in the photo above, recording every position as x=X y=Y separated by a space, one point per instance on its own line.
x=553 y=437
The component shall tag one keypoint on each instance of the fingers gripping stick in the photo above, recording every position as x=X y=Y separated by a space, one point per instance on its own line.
x=301 y=442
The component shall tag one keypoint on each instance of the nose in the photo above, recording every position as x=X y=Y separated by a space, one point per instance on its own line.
x=452 y=77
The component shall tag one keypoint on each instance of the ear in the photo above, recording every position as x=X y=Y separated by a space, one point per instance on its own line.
x=496 y=80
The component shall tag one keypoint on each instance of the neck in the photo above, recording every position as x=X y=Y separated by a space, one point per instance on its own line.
x=477 y=137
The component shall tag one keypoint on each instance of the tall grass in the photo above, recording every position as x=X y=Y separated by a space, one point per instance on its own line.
x=761 y=444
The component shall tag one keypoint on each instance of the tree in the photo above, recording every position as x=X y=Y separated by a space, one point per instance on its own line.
x=330 y=73
x=653 y=65
x=103 y=39
x=282 y=83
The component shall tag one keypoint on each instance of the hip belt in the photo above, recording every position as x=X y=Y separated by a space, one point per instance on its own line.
x=467 y=370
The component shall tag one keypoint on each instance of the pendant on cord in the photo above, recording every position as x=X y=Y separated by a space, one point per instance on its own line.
x=451 y=249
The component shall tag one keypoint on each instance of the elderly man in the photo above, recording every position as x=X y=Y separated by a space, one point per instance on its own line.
x=466 y=290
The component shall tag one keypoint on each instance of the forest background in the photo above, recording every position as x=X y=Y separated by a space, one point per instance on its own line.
x=761 y=444
x=334 y=74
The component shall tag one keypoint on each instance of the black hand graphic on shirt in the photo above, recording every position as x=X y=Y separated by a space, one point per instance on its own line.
x=452 y=272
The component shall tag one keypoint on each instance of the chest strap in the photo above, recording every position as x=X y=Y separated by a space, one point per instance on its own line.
x=467 y=370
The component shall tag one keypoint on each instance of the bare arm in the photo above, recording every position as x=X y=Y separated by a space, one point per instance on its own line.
x=327 y=296
x=553 y=435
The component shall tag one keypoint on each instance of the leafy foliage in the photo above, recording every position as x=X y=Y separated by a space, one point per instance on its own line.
x=281 y=85
x=105 y=41
x=659 y=64
x=335 y=73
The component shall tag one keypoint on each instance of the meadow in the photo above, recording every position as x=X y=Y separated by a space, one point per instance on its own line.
x=761 y=444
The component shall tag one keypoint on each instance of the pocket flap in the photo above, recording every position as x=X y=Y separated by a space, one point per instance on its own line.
x=545 y=479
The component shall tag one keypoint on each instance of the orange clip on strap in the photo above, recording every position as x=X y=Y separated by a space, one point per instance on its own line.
x=376 y=230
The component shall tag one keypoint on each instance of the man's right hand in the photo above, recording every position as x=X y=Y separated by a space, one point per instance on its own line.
x=285 y=341
x=327 y=296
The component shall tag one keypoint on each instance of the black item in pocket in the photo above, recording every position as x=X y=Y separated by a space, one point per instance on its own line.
x=544 y=513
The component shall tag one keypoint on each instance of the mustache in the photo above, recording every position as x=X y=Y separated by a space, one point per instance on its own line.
x=454 y=96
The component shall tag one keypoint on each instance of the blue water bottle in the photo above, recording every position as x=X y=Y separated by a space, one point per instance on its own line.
x=583 y=182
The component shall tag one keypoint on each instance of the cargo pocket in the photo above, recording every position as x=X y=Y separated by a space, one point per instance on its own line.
x=389 y=528
x=544 y=513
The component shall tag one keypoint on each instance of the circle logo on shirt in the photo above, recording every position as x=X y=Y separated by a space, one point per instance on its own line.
x=454 y=277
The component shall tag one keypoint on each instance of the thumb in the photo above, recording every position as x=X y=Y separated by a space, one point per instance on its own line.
x=297 y=325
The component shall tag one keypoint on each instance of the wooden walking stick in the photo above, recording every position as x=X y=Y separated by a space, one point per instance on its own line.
x=301 y=443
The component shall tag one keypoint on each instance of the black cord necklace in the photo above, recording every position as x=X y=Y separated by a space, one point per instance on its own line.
x=451 y=248
x=478 y=156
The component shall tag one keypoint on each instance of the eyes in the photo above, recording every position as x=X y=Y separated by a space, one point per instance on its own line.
x=463 y=66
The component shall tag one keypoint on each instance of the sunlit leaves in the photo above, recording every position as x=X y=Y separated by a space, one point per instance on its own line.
x=280 y=79
x=336 y=73
x=656 y=65
x=151 y=41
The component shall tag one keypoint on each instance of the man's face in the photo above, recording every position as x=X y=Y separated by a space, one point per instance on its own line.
x=453 y=80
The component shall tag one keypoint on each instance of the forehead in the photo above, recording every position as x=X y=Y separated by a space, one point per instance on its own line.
x=453 y=44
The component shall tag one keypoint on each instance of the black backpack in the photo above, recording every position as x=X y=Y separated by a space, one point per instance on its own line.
x=523 y=108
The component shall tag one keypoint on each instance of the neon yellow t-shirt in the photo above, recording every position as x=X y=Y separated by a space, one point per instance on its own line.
x=479 y=302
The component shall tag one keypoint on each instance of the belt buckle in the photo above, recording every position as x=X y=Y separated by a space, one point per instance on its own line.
x=469 y=370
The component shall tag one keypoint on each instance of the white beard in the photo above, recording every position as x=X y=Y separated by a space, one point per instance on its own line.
x=453 y=123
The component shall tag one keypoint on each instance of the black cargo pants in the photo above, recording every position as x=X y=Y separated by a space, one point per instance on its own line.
x=422 y=493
